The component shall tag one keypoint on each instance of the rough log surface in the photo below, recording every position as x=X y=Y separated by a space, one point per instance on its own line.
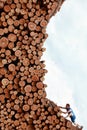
x=23 y=102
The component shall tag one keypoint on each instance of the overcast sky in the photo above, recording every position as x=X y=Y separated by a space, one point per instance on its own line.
x=66 y=58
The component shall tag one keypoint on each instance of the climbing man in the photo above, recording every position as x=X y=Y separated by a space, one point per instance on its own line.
x=70 y=114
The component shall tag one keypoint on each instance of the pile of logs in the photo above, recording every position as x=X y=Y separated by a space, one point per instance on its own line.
x=23 y=102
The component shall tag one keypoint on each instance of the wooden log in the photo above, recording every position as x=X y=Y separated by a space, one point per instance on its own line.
x=1 y=32
x=22 y=83
x=10 y=21
x=7 y=52
x=11 y=67
x=7 y=8
x=63 y=128
x=10 y=28
x=62 y=119
x=9 y=86
x=43 y=23
x=39 y=85
x=3 y=19
x=16 y=123
x=35 y=78
x=2 y=98
x=32 y=26
x=13 y=5
x=69 y=124
x=1 y=4
x=12 y=37
x=46 y=127
x=3 y=42
x=26 y=107
x=57 y=126
x=28 y=88
x=5 y=81
x=18 y=53
x=34 y=107
x=30 y=101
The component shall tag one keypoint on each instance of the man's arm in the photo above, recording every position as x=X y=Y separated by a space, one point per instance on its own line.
x=63 y=112
x=62 y=107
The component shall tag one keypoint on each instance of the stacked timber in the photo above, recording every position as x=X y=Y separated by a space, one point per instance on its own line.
x=23 y=102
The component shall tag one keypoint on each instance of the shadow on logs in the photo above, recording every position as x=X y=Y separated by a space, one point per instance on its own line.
x=23 y=102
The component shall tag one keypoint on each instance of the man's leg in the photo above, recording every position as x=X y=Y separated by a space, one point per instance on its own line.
x=78 y=126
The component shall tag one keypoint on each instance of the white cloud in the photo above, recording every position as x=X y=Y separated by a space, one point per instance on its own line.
x=66 y=57
x=57 y=82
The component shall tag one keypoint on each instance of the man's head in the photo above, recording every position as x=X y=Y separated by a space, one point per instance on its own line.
x=67 y=105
